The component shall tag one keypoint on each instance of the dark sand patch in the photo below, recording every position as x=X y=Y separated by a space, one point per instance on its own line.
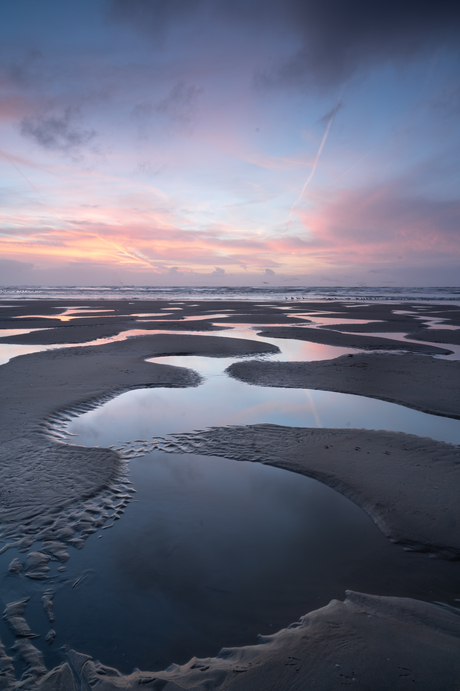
x=346 y=340
x=449 y=336
x=30 y=323
x=83 y=334
x=277 y=317
x=424 y=383
x=67 y=334
x=80 y=320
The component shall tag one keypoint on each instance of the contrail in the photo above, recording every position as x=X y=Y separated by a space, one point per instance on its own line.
x=315 y=162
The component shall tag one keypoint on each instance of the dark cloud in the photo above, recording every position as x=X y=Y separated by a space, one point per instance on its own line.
x=333 y=37
x=339 y=37
x=24 y=70
x=218 y=271
x=156 y=17
x=179 y=107
x=180 y=104
x=143 y=111
x=58 y=132
x=148 y=169
x=447 y=102
x=142 y=115
x=153 y=16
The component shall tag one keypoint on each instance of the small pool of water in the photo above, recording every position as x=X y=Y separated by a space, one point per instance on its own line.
x=222 y=400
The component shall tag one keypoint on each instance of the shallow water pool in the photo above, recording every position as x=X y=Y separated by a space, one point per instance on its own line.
x=215 y=551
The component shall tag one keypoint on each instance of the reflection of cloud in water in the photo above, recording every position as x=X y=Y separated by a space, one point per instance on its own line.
x=8 y=351
x=222 y=400
x=300 y=410
x=315 y=412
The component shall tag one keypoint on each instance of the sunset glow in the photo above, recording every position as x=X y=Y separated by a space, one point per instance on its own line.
x=213 y=143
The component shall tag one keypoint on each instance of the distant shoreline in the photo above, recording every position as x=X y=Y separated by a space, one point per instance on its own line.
x=232 y=293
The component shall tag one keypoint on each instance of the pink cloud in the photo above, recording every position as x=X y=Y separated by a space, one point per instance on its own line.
x=352 y=228
x=381 y=224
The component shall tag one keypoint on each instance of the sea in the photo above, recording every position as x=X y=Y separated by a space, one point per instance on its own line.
x=264 y=293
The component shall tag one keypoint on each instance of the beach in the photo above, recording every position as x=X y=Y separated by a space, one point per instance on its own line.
x=56 y=495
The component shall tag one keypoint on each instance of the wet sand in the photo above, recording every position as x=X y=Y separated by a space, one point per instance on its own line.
x=424 y=383
x=437 y=336
x=58 y=495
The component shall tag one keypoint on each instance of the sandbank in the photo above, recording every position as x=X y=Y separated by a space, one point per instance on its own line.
x=348 y=340
x=437 y=335
x=395 y=326
x=424 y=383
x=88 y=332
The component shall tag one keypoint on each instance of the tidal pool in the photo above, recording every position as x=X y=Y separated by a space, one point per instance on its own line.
x=213 y=551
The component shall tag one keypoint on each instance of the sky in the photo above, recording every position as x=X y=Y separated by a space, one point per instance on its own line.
x=229 y=142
